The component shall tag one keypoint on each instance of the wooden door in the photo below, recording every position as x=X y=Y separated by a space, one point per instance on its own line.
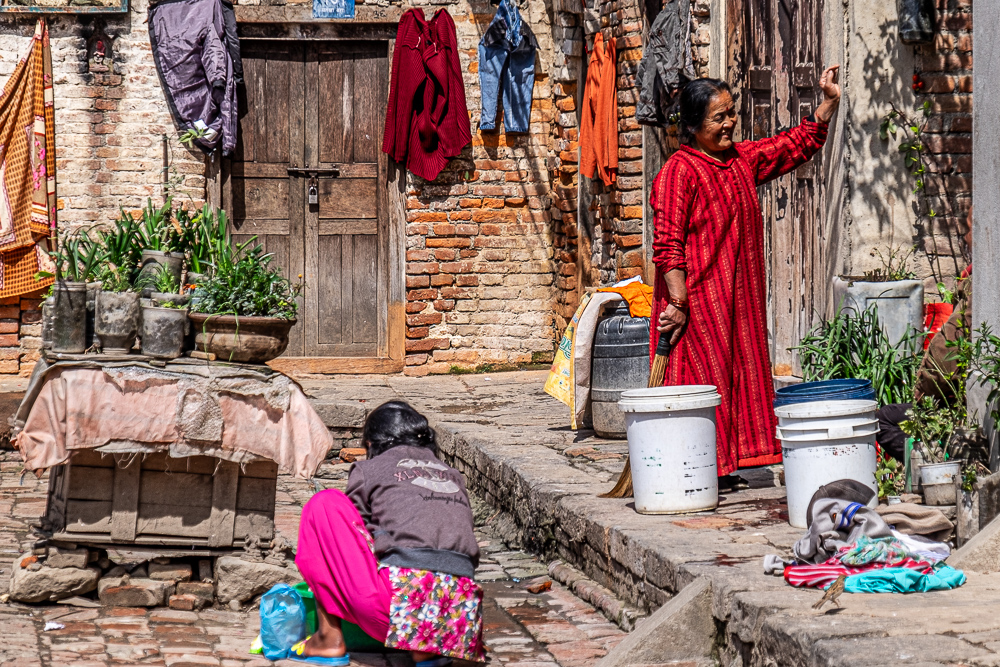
x=313 y=118
x=774 y=63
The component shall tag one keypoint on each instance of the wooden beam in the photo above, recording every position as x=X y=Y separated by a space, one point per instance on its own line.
x=336 y=365
x=125 y=498
x=222 y=521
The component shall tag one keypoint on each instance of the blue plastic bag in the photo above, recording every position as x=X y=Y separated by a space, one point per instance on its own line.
x=282 y=621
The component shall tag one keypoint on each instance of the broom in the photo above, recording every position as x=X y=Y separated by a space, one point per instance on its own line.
x=623 y=489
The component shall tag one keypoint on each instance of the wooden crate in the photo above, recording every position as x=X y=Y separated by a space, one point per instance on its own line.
x=157 y=500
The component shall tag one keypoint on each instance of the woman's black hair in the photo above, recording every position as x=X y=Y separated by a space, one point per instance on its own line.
x=694 y=100
x=395 y=424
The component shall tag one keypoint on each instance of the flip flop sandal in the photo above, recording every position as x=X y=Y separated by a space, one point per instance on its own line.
x=295 y=655
x=436 y=662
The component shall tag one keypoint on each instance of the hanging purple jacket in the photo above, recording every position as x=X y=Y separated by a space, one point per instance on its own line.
x=194 y=59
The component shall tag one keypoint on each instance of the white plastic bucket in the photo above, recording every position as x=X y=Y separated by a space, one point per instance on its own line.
x=671 y=446
x=822 y=442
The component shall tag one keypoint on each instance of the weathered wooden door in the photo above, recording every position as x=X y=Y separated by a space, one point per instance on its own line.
x=309 y=179
x=775 y=62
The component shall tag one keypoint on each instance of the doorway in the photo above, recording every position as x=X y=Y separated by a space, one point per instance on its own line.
x=775 y=60
x=308 y=178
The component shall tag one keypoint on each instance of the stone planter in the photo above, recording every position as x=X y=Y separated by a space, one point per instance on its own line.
x=900 y=303
x=92 y=290
x=117 y=321
x=164 y=331
x=160 y=298
x=249 y=340
x=69 y=318
x=48 y=316
x=153 y=259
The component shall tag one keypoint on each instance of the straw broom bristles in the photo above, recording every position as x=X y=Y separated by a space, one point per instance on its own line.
x=623 y=489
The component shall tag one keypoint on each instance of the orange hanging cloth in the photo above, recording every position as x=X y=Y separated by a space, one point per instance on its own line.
x=27 y=170
x=599 y=127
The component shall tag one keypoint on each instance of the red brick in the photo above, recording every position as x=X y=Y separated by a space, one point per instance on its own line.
x=427 y=216
x=417 y=281
x=8 y=340
x=418 y=255
x=443 y=306
x=442 y=279
x=492 y=202
x=433 y=242
x=427 y=344
x=421 y=267
x=418 y=332
x=491 y=230
x=444 y=230
x=502 y=215
x=445 y=255
x=456 y=216
x=8 y=312
x=416 y=307
x=456 y=267
x=421 y=294
x=425 y=319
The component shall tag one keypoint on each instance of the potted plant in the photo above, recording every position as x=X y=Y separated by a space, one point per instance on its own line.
x=893 y=286
x=75 y=262
x=204 y=235
x=117 y=317
x=161 y=240
x=165 y=319
x=246 y=308
x=932 y=427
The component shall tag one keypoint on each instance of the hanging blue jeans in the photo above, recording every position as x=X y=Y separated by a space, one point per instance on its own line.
x=507 y=62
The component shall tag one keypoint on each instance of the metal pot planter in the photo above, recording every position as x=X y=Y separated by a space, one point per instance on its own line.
x=117 y=321
x=248 y=340
x=48 y=316
x=69 y=318
x=151 y=262
x=161 y=298
x=164 y=331
x=900 y=303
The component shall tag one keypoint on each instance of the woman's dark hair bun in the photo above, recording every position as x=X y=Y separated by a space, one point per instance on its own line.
x=396 y=424
x=693 y=104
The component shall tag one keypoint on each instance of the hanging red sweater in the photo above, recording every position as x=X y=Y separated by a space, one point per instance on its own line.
x=599 y=126
x=427 y=122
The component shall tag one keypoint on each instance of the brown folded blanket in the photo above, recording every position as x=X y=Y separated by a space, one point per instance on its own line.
x=912 y=519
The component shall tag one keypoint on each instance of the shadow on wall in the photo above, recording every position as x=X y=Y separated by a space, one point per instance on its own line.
x=884 y=209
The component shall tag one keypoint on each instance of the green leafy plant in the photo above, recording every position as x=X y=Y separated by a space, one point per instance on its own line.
x=895 y=265
x=889 y=477
x=208 y=236
x=245 y=284
x=855 y=346
x=159 y=230
x=911 y=141
x=947 y=295
x=77 y=259
x=163 y=281
x=931 y=426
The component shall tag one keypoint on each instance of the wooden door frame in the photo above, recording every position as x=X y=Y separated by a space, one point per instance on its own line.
x=391 y=355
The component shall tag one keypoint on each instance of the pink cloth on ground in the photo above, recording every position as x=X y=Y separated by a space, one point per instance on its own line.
x=336 y=559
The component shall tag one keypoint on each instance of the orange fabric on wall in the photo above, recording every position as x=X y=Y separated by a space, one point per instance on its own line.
x=599 y=128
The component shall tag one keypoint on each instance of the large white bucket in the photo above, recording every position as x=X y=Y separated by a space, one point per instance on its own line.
x=822 y=442
x=671 y=446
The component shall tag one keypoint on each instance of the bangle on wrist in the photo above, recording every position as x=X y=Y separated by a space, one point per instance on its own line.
x=680 y=304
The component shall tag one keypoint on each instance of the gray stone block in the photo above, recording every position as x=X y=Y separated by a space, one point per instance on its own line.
x=337 y=414
x=681 y=630
x=981 y=553
x=240 y=580
x=170 y=571
x=67 y=557
x=127 y=592
x=50 y=583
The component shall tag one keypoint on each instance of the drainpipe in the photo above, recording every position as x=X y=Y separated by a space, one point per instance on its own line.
x=166 y=167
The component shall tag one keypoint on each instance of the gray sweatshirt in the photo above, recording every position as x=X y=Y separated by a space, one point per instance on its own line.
x=417 y=510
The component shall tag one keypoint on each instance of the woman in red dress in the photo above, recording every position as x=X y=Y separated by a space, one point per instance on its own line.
x=708 y=248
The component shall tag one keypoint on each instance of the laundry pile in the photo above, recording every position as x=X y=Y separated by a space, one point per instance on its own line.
x=891 y=549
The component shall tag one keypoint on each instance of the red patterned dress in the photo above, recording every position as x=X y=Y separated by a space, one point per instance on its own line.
x=708 y=222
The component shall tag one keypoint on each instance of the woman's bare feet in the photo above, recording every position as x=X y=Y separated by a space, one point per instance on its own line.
x=328 y=642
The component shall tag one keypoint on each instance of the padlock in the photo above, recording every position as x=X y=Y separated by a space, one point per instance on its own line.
x=313 y=192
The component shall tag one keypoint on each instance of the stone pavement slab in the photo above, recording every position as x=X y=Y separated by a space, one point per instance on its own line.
x=513 y=443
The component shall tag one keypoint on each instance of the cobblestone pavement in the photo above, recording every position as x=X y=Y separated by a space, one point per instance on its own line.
x=549 y=629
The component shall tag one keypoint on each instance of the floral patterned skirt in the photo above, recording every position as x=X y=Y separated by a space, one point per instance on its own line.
x=435 y=613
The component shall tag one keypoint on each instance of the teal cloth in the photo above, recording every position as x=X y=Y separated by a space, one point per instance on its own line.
x=904 y=580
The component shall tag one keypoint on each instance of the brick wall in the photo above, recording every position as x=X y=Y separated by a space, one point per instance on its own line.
x=110 y=119
x=944 y=69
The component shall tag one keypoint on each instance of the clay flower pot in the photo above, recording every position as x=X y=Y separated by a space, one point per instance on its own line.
x=248 y=340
